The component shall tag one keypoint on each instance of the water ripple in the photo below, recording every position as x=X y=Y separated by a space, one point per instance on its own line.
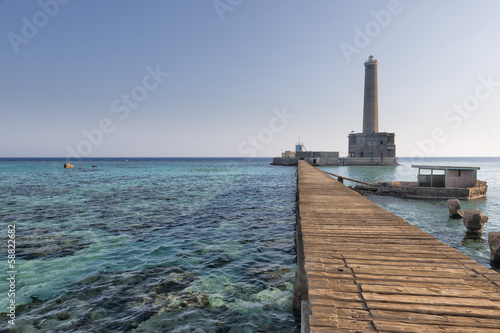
x=152 y=245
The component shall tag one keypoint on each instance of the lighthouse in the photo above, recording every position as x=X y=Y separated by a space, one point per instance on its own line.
x=370 y=106
x=371 y=147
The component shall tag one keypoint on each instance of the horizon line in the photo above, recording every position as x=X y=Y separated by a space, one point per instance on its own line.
x=209 y=157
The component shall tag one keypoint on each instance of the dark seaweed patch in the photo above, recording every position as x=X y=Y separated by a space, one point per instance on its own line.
x=112 y=301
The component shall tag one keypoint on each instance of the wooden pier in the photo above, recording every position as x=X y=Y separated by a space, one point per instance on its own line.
x=362 y=268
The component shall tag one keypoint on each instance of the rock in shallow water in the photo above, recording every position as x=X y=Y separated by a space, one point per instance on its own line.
x=268 y=275
x=455 y=211
x=494 y=241
x=474 y=220
x=43 y=243
x=218 y=261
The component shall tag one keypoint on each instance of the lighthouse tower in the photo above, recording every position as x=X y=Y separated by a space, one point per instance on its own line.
x=370 y=107
x=371 y=147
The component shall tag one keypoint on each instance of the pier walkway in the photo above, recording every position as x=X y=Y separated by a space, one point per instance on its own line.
x=362 y=268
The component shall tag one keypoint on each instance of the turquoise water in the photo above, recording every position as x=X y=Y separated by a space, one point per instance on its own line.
x=180 y=245
x=150 y=245
x=432 y=215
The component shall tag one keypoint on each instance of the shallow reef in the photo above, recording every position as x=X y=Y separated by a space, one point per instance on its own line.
x=111 y=301
x=44 y=243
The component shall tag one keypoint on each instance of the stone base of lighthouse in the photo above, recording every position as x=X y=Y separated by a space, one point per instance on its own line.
x=372 y=149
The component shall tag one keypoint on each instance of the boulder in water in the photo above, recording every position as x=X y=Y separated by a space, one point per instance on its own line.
x=474 y=220
x=456 y=211
x=494 y=241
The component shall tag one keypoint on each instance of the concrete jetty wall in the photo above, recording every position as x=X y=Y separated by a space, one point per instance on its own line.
x=362 y=268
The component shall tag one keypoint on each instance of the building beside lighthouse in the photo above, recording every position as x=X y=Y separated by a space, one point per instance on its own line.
x=370 y=147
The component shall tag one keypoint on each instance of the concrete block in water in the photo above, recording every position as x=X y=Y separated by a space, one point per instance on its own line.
x=474 y=220
x=494 y=241
x=456 y=211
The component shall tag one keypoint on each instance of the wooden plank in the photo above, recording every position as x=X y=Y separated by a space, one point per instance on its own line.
x=397 y=327
x=436 y=309
x=413 y=317
x=424 y=291
x=431 y=300
x=411 y=271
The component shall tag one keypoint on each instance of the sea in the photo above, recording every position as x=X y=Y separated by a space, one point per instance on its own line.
x=179 y=244
x=149 y=245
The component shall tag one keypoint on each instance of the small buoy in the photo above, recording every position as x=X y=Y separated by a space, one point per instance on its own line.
x=81 y=167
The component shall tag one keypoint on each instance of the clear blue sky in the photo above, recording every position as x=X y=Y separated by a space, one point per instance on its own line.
x=75 y=67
